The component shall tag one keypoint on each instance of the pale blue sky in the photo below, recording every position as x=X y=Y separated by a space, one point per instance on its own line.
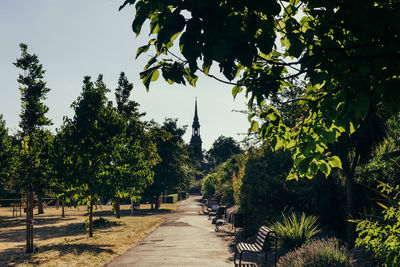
x=86 y=37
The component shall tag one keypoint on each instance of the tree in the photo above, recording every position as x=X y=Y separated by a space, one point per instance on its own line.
x=351 y=69
x=6 y=155
x=139 y=152
x=222 y=149
x=100 y=161
x=175 y=171
x=32 y=165
x=92 y=141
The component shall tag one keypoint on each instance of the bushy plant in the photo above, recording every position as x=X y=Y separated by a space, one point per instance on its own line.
x=318 y=253
x=100 y=223
x=264 y=192
x=208 y=186
x=382 y=236
x=293 y=232
x=219 y=180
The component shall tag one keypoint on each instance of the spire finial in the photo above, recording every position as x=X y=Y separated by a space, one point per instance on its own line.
x=195 y=108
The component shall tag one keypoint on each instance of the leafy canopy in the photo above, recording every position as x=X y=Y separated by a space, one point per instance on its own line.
x=222 y=149
x=7 y=155
x=33 y=92
x=350 y=68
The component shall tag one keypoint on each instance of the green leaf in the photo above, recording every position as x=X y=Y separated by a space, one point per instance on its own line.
x=191 y=78
x=254 y=126
x=335 y=162
x=206 y=68
x=150 y=62
x=304 y=165
x=142 y=49
x=131 y=2
x=142 y=12
x=149 y=75
x=325 y=168
x=235 y=90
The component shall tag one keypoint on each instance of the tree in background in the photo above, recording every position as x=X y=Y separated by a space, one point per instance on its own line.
x=225 y=179
x=138 y=154
x=32 y=163
x=222 y=149
x=175 y=171
x=7 y=156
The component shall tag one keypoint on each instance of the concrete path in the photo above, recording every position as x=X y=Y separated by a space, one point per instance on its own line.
x=185 y=239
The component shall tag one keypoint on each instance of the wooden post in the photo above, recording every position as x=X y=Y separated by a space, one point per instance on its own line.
x=117 y=208
x=91 y=217
x=62 y=208
x=29 y=220
x=27 y=208
x=31 y=211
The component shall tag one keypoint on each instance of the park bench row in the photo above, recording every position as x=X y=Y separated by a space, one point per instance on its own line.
x=221 y=217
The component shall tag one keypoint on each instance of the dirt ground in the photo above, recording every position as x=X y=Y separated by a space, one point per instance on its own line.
x=64 y=241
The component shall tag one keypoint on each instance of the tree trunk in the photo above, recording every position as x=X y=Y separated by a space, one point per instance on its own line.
x=91 y=217
x=40 y=204
x=29 y=220
x=117 y=208
x=157 y=202
x=62 y=208
x=350 y=229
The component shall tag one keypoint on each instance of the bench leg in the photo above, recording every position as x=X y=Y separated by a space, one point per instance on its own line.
x=240 y=258
x=234 y=258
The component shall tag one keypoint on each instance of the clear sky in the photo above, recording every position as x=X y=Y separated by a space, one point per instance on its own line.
x=86 y=37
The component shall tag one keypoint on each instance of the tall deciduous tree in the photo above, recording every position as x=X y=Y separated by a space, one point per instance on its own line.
x=93 y=140
x=138 y=154
x=222 y=149
x=32 y=164
x=100 y=160
x=351 y=68
x=175 y=171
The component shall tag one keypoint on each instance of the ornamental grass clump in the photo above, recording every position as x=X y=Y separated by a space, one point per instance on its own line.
x=318 y=253
x=293 y=232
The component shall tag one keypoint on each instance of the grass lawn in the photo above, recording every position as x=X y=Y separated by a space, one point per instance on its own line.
x=64 y=241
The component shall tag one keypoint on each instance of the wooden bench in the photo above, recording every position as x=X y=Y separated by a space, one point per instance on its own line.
x=258 y=246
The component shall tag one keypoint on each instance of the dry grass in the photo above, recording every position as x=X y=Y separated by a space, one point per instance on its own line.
x=64 y=242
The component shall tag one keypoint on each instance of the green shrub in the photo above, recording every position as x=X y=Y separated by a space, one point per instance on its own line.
x=265 y=192
x=172 y=198
x=318 y=253
x=208 y=186
x=382 y=236
x=293 y=232
x=100 y=223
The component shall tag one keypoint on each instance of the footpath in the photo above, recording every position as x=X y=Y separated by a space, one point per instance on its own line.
x=185 y=239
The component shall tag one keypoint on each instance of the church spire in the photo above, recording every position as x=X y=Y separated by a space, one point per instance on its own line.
x=196 y=142
x=195 y=108
x=196 y=124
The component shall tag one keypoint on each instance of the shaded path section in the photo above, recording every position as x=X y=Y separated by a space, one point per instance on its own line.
x=185 y=239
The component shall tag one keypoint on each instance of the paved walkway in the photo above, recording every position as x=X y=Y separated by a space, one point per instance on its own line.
x=185 y=239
